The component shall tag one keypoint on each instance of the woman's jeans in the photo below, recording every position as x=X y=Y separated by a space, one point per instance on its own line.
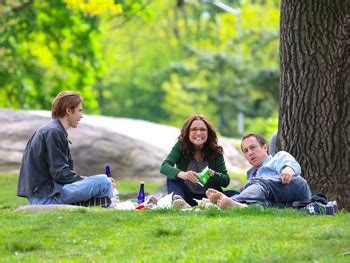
x=269 y=191
x=80 y=191
x=180 y=188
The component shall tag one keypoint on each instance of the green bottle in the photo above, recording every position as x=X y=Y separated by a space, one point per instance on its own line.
x=204 y=176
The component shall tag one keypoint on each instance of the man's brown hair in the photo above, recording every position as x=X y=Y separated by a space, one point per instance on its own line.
x=63 y=101
x=261 y=140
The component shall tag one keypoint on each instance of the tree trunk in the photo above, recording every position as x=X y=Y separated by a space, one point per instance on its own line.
x=314 y=120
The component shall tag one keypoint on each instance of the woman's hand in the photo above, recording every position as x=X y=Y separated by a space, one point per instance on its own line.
x=211 y=172
x=189 y=175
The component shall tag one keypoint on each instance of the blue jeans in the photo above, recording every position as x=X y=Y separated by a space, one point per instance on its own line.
x=180 y=188
x=89 y=187
x=269 y=191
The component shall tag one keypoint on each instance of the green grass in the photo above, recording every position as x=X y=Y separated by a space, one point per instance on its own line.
x=126 y=186
x=8 y=187
x=103 y=235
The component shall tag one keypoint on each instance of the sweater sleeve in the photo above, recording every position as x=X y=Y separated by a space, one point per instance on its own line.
x=168 y=166
x=221 y=177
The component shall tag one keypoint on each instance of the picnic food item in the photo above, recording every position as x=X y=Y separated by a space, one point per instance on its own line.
x=204 y=176
x=115 y=196
x=141 y=194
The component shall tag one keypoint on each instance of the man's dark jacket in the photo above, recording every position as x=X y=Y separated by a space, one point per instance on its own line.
x=46 y=163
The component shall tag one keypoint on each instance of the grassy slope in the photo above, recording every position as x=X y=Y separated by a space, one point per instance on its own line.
x=246 y=235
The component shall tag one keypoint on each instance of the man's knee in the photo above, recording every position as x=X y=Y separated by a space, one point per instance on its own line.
x=100 y=179
x=302 y=187
x=299 y=181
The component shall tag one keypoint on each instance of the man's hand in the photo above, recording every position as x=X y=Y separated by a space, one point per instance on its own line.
x=189 y=175
x=112 y=181
x=286 y=175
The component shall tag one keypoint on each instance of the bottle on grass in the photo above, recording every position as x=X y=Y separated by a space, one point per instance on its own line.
x=115 y=196
x=141 y=194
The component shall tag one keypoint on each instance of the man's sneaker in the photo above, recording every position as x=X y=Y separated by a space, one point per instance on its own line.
x=179 y=202
x=95 y=201
x=331 y=208
x=316 y=208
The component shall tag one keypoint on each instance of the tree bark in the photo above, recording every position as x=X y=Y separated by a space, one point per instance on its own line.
x=314 y=114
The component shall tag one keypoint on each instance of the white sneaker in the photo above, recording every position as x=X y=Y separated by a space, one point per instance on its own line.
x=180 y=203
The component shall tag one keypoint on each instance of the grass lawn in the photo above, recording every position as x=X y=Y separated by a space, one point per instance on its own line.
x=237 y=235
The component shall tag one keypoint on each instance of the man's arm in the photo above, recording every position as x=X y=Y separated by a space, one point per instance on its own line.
x=57 y=158
x=287 y=166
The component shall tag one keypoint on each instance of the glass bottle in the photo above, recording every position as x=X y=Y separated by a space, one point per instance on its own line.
x=141 y=194
x=115 y=196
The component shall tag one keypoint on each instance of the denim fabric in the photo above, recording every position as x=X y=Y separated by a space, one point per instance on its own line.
x=230 y=193
x=268 y=190
x=89 y=187
x=179 y=187
x=272 y=166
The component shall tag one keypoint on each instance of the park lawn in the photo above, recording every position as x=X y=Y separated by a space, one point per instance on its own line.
x=237 y=235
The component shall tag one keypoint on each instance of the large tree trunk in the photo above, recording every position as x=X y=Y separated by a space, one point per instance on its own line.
x=314 y=120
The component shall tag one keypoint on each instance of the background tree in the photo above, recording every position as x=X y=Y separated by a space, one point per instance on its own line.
x=154 y=60
x=314 y=120
x=46 y=47
x=229 y=64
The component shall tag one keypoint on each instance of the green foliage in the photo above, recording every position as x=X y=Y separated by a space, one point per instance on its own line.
x=192 y=58
x=95 y=7
x=266 y=127
x=157 y=60
x=232 y=69
x=46 y=48
x=132 y=53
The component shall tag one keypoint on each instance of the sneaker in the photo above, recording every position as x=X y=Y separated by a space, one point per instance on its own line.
x=95 y=201
x=316 y=208
x=331 y=208
x=179 y=202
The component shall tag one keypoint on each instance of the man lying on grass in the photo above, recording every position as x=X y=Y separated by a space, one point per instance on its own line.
x=272 y=181
x=47 y=175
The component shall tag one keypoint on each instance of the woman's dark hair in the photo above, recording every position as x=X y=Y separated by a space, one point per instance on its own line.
x=63 y=101
x=210 y=147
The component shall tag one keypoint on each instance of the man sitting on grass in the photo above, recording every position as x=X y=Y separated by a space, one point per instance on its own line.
x=47 y=175
x=272 y=181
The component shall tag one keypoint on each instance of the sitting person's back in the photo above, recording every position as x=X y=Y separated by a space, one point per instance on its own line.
x=47 y=175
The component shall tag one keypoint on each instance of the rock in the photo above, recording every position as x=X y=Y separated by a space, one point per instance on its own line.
x=134 y=148
x=160 y=136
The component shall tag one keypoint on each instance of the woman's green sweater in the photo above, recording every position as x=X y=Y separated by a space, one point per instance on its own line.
x=176 y=162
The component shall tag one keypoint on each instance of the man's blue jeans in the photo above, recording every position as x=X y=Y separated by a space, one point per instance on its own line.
x=89 y=187
x=270 y=190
